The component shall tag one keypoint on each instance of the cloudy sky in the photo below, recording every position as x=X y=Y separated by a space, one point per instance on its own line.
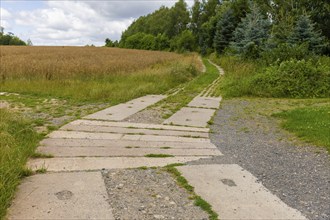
x=74 y=23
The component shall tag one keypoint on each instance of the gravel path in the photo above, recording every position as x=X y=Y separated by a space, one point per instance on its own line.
x=148 y=194
x=298 y=174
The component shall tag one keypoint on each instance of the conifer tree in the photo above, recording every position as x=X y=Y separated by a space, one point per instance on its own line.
x=304 y=32
x=251 y=34
x=224 y=31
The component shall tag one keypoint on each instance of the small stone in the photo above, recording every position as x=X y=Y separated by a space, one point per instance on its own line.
x=172 y=203
x=120 y=186
x=158 y=216
x=167 y=198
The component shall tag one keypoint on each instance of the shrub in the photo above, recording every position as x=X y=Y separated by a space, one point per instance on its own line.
x=296 y=79
x=285 y=52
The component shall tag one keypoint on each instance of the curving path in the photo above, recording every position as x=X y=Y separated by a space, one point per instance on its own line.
x=73 y=187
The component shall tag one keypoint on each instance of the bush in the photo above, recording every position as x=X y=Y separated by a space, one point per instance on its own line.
x=285 y=52
x=295 y=79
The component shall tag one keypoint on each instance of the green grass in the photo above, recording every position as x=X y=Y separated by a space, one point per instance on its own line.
x=159 y=155
x=311 y=124
x=18 y=141
x=192 y=89
x=41 y=155
x=184 y=184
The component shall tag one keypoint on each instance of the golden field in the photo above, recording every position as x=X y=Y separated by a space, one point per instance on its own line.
x=93 y=73
x=71 y=62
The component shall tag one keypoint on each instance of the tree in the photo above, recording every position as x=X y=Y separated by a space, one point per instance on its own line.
x=185 y=42
x=224 y=31
x=178 y=19
x=161 y=42
x=304 y=32
x=109 y=43
x=251 y=34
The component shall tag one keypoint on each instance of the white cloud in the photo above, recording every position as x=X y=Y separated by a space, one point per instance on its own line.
x=5 y=16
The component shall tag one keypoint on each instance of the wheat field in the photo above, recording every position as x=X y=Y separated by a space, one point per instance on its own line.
x=93 y=73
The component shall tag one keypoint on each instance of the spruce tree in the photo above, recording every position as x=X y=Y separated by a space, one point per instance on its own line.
x=304 y=32
x=251 y=34
x=224 y=31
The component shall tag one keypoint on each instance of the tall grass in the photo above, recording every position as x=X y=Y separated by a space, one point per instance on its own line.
x=17 y=142
x=236 y=82
x=93 y=74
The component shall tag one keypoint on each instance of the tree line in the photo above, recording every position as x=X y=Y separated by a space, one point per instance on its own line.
x=11 y=39
x=243 y=27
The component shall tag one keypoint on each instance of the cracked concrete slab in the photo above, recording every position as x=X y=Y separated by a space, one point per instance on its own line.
x=121 y=130
x=205 y=102
x=122 y=111
x=137 y=125
x=196 y=117
x=69 y=142
x=120 y=152
x=234 y=193
x=61 y=196
x=99 y=163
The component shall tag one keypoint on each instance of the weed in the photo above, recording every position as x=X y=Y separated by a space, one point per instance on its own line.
x=184 y=183
x=159 y=155
x=41 y=170
x=41 y=155
x=165 y=148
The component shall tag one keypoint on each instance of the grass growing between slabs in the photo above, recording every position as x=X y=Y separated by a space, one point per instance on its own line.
x=311 y=124
x=175 y=102
x=18 y=141
x=184 y=184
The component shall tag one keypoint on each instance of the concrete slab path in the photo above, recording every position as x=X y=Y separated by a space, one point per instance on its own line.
x=122 y=111
x=73 y=187
x=195 y=117
x=62 y=196
x=59 y=164
x=234 y=193
x=116 y=144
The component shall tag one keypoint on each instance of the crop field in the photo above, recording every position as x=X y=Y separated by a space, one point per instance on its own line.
x=92 y=74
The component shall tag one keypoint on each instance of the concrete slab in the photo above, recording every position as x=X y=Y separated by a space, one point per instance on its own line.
x=84 y=135
x=121 y=130
x=234 y=193
x=122 y=111
x=50 y=142
x=99 y=163
x=157 y=138
x=137 y=125
x=122 y=152
x=196 y=117
x=205 y=102
x=61 y=196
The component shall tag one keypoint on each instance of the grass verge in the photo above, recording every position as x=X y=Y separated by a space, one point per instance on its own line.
x=184 y=183
x=18 y=141
x=312 y=124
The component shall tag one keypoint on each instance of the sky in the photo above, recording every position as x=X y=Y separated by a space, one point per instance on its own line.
x=73 y=23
